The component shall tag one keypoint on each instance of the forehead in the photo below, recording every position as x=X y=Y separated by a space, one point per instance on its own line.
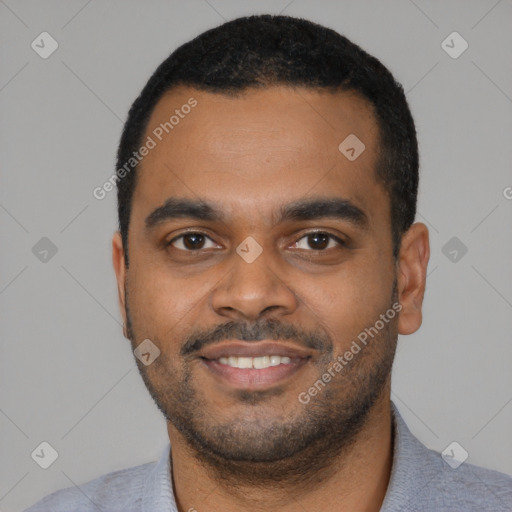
x=256 y=151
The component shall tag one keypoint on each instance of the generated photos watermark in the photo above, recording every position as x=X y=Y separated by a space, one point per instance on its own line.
x=355 y=347
x=157 y=135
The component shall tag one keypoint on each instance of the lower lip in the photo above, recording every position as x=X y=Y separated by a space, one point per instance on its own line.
x=250 y=377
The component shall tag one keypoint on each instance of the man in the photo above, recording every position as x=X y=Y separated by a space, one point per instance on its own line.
x=266 y=262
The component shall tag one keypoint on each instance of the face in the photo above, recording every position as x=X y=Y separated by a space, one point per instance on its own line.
x=252 y=234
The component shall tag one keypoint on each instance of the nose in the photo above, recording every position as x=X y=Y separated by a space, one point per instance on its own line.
x=251 y=289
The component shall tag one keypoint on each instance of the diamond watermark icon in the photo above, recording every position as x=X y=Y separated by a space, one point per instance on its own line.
x=454 y=455
x=44 y=455
x=44 y=45
x=351 y=147
x=249 y=249
x=454 y=249
x=146 y=352
x=454 y=45
x=44 y=250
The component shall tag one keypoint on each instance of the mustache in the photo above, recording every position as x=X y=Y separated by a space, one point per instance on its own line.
x=269 y=329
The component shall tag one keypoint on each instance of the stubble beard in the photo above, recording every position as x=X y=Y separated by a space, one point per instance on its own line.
x=262 y=450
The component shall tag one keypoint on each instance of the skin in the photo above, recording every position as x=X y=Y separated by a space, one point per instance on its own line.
x=242 y=449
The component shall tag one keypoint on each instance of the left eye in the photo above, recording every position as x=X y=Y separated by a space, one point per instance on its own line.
x=320 y=239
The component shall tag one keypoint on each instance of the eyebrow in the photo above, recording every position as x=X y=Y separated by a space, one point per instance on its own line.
x=300 y=210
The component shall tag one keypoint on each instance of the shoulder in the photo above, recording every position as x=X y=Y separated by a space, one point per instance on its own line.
x=116 y=491
x=421 y=480
x=466 y=487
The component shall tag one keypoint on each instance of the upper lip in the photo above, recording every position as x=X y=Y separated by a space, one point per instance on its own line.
x=254 y=349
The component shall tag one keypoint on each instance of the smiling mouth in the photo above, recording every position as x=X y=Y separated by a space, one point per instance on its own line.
x=258 y=363
x=254 y=372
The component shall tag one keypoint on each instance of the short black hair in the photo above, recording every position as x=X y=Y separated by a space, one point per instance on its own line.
x=266 y=50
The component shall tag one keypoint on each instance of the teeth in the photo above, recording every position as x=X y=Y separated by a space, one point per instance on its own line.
x=275 y=360
x=261 y=362
x=254 y=362
x=244 y=362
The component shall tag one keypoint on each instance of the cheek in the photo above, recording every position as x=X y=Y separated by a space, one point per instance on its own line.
x=164 y=304
x=350 y=300
x=157 y=302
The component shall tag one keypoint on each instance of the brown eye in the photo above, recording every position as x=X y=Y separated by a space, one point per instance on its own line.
x=189 y=241
x=319 y=241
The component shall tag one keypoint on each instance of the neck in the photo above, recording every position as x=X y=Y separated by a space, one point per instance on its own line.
x=355 y=480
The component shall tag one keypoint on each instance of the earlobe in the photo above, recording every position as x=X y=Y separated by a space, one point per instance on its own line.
x=412 y=271
x=120 y=270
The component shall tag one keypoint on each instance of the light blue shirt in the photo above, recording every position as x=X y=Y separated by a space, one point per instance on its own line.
x=421 y=481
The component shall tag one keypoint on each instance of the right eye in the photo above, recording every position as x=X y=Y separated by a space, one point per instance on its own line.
x=190 y=241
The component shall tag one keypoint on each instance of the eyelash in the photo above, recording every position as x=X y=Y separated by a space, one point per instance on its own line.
x=329 y=235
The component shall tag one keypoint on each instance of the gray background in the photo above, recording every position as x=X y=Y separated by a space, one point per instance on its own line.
x=67 y=375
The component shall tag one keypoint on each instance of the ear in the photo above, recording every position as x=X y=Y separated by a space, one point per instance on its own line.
x=120 y=270
x=412 y=273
